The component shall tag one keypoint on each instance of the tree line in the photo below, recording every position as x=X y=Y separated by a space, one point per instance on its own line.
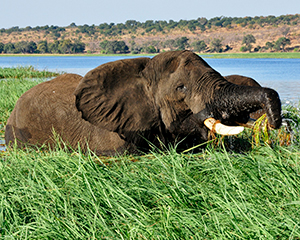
x=278 y=45
x=131 y=26
x=62 y=47
x=116 y=47
x=183 y=43
x=180 y=43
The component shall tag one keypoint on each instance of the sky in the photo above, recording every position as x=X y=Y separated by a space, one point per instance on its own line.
x=23 y=13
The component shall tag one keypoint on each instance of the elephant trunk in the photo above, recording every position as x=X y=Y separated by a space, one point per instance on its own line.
x=272 y=106
x=233 y=103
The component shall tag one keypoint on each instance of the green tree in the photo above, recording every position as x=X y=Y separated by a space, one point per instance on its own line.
x=78 y=47
x=20 y=47
x=111 y=47
x=9 y=48
x=199 y=46
x=282 y=42
x=247 y=40
x=182 y=43
x=53 y=47
x=170 y=43
x=65 y=46
x=1 y=47
x=216 y=45
x=42 y=47
x=270 y=45
x=243 y=49
x=285 y=31
x=31 y=47
x=151 y=49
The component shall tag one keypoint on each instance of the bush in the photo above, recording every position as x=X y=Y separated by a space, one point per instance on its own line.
x=243 y=49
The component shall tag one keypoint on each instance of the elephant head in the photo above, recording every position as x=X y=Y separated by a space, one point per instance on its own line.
x=144 y=98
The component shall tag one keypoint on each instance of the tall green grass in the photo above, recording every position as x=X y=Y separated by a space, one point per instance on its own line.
x=226 y=191
x=164 y=195
x=10 y=91
x=25 y=72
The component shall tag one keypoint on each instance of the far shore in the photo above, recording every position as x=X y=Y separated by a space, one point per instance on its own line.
x=204 y=55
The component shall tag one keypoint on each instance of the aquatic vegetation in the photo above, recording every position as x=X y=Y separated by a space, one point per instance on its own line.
x=25 y=72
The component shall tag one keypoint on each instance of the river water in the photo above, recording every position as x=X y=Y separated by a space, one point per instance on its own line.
x=283 y=75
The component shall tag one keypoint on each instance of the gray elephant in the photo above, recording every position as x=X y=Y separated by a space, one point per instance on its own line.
x=125 y=105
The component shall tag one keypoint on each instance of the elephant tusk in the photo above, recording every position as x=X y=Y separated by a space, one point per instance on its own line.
x=215 y=126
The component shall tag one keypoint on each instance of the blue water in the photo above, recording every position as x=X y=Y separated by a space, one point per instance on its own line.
x=283 y=75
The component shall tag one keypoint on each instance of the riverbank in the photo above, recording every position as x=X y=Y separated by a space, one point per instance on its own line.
x=287 y=55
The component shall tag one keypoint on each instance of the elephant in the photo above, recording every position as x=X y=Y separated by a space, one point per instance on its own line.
x=129 y=105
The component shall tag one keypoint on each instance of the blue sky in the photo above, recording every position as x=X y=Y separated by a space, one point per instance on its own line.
x=33 y=13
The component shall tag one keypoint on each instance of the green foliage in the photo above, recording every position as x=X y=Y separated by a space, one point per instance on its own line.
x=42 y=47
x=64 y=46
x=216 y=45
x=247 y=40
x=270 y=45
x=282 y=42
x=9 y=48
x=111 y=47
x=151 y=49
x=199 y=46
x=25 y=47
x=25 y=72
x=112 y=30
x=181 y=43
x=1 y=47
x=244 y=49
x=159 y=26
x=170 y=43
x=12 y=89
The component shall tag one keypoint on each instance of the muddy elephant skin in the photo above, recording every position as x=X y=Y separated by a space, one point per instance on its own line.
x=125 y=105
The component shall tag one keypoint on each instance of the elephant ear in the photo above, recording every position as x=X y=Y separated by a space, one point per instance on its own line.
x=115 y=96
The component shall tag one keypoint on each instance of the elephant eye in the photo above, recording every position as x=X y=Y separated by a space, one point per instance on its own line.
x=181 y=88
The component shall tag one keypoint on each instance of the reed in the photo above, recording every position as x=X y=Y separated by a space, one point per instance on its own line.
x=163 y=195
x=25 y=72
